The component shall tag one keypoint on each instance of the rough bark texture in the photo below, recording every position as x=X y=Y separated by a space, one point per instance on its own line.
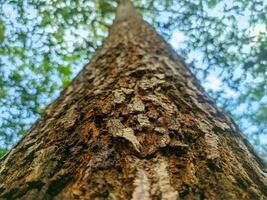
x=134 y=124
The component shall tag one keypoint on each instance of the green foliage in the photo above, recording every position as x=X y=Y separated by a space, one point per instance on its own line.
x=3 y=151
x=64 y=70
x=2 y=31
x=212 y=3
x=43 y=44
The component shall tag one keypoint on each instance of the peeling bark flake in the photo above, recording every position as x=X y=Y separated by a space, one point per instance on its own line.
x=116 y=128
x=119 y=96
x=137 y=105
x=143 y=120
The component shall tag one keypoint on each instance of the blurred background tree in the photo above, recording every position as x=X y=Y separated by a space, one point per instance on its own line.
x=44 y=44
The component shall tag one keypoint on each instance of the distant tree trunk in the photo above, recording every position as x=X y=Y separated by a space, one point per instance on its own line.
x=134 y=124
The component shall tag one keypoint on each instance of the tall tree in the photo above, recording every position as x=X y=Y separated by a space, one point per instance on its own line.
x=134 y=124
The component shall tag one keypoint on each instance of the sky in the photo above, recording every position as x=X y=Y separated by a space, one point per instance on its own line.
x=213 y=81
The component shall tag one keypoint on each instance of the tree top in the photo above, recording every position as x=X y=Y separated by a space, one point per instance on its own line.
x=126 y=10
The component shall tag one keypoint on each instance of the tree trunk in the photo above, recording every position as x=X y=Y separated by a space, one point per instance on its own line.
x=134 y=124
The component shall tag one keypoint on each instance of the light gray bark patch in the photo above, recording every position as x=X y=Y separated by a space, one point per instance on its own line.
x=70 y=117
x=161 y=100
x=116 y=128
x=160 y=130
x=142 y=186
x=160 y=76
x=44 y=163
x=127 y=90
x=177 y=144
x=119 y=96
x=164 y=185
x=212 y=148
x=146 y=84
x=163 y=141
x=137 y=105
x=142 y=70
x=143 y=120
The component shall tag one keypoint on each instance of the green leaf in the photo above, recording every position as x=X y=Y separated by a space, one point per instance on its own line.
x=15 y=76
x=104 y=6
x=3 y=92
x=58 y=36
x=64 y=70
x=46 y=20
x=46 y=65
x=70 y=58
x=3 y=151
x=65 y=83
x=2 y=31
x=212 y=3
x=261 y=114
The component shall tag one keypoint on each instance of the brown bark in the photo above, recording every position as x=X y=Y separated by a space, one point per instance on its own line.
x=134 y=124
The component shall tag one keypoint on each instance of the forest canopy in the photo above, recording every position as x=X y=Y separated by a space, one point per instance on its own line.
x=44 y=44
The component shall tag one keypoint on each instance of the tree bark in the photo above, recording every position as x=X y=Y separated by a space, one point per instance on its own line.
x=134 y=124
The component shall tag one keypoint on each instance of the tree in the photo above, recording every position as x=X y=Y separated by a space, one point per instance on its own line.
x=134 y=124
